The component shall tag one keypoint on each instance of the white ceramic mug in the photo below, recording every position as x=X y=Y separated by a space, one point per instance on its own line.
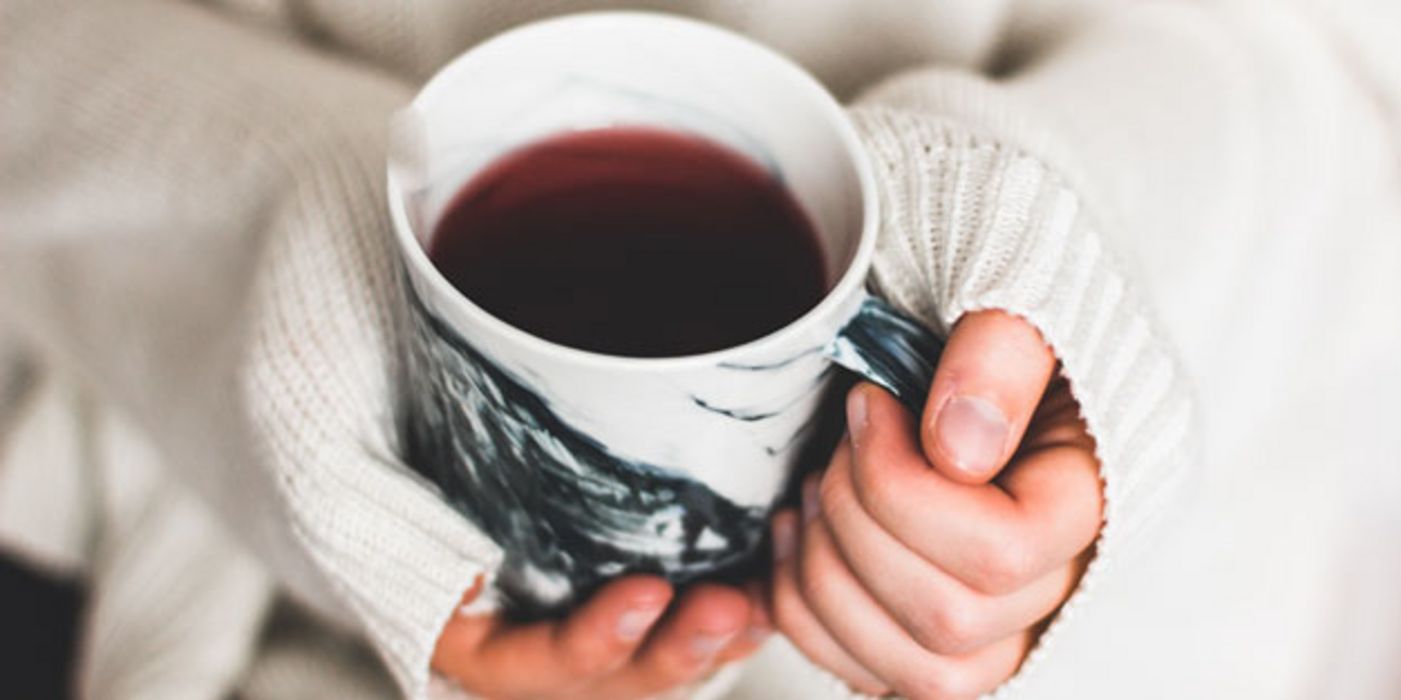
x=585 y=466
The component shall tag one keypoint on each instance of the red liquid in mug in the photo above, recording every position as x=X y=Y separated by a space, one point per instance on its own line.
x=632 y=241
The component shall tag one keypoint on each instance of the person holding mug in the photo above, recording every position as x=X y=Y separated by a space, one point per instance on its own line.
x=531 y=438
x=1149 y=239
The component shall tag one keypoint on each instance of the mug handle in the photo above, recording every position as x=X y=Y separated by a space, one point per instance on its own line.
x=887 y=347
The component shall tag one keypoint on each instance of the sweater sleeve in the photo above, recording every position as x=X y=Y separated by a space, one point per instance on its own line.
x=972 y=222
x=1108 y=181
x=194 y=224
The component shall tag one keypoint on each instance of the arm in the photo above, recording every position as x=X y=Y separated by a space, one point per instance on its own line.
x=196 y=226
x=1107 y=188
x=193 y=217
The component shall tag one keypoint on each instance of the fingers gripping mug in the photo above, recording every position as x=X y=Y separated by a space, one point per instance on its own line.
x=584 y=466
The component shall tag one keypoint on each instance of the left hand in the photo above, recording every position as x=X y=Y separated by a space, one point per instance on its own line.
x=629 y=640
x=925 y=561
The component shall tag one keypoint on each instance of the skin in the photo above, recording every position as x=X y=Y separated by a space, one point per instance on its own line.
x=916 y=565
x=634 y=639
x=926 y=558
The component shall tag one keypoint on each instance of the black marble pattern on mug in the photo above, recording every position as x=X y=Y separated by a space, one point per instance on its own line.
x=568 y=513
x=886 y=347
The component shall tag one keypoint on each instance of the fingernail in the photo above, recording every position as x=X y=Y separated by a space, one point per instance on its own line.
x=704 y=646
x=783 y=539
x=634 y=623
x=810 y=504
x=856 y=414
x=972 y=432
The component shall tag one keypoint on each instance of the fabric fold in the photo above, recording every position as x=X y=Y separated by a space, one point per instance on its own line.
x=320 y=381
x=973 y=222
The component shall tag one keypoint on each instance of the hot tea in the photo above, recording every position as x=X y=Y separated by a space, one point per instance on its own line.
x=632 y=241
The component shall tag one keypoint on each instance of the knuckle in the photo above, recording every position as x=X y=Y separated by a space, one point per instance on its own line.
x=1003 y=565
x=584 y=664
x=874 y=490
x=950 y=628
x=816 y=583
x=677 y=665
x=587 y=661
x=834 y=495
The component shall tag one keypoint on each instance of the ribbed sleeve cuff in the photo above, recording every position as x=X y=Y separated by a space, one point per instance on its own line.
x=972 y=221
x=319 y=384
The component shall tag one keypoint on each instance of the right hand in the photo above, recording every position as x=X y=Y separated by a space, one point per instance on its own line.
x=927 y=557
x=625 y=642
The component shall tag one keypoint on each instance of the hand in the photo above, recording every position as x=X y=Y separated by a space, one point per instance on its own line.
x=618 y=645
x=934 y=581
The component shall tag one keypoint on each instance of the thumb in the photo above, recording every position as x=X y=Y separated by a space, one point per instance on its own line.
x=992 y=374
x=489 y=656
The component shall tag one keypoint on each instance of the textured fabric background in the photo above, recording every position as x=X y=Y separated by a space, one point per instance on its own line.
x=1197 y=203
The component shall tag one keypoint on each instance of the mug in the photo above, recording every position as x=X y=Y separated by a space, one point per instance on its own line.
x=583 y=466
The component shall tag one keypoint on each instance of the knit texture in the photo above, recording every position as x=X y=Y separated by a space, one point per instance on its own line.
x=324 y=415
x=159 y=548
x=971 y=222
x=239 y=299
x=196 y=260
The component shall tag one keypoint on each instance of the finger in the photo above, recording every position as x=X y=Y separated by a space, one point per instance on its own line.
x=463 y=632
x=761 y=615
x=993 y=540
x=938 y=611
x=756 y=632
x=687 y=644
x=877 y=642
x=1060 y=499
x=800 y=625
x=548 y=656
x=990 y=378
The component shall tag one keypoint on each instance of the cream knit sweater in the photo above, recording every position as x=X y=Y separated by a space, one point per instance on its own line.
x=1198 y=204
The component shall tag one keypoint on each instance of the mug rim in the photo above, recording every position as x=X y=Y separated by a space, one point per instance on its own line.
x=850 y=282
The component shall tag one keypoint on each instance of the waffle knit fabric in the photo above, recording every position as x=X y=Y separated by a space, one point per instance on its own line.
x=195 y=257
